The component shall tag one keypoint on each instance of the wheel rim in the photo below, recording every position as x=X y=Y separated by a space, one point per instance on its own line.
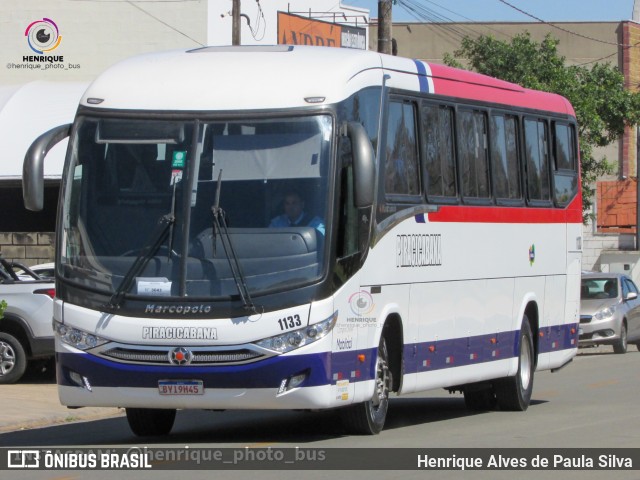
x=383 y=381
x=7 y=358
x=525 y=364
x=623 y=337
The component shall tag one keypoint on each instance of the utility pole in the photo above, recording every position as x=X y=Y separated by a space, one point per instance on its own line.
x=235 y=26
x=384 y=26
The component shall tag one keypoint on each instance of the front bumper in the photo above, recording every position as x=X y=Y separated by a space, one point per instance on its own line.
x=328 y=380
x=598 y=332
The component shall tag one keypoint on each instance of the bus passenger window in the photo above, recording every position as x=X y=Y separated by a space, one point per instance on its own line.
x=535 y=136
x=440 y=170
x=565 y=157
x=473 y=150
x=504 y=157
x=565 y=175
x=401 y=159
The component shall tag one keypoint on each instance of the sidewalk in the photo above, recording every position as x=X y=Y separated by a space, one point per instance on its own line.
x=33 y=403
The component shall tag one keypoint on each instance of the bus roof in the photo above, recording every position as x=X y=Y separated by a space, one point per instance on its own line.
x=284 y=76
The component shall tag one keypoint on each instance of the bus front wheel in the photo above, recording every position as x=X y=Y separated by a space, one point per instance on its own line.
x=149 y=422
x=514 y=393
x=368 y=418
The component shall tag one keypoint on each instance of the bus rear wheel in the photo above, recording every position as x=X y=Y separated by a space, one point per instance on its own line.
x=368 y=418
x=514 y=393
x=149 y=422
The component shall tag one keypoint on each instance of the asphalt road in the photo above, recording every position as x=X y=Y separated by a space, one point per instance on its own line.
x=592 y=403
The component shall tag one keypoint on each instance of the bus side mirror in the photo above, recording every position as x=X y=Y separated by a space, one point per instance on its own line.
x=363 y=164
x=33 y=166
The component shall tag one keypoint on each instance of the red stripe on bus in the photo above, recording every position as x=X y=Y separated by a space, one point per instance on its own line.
x=493 y=214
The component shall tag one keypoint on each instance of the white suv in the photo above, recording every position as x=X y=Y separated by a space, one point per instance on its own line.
x=26 y=332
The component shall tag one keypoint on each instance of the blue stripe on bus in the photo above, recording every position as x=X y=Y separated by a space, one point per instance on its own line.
x=422 y=76
x=324 y=368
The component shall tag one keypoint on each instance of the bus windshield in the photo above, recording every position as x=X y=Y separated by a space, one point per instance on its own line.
x=141 y=199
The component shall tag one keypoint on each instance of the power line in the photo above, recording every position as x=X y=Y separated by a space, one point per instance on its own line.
x=454 y=29
x=163 y=22
x=564 y=29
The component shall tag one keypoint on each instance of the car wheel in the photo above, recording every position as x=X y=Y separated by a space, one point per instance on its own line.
x=514 y=393
x=148 y=422
x=13 y=359
x=621 y=345
x=368 y=418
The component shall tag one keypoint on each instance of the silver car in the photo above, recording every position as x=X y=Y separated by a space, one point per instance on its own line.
x=609 y=311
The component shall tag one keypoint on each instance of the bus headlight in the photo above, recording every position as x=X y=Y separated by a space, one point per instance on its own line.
x=298 y=338
x=77 y=338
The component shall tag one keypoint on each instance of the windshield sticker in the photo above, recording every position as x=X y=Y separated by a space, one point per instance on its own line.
x=155 y=286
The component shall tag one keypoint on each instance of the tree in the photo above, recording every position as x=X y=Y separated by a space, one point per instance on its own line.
x=602 y=104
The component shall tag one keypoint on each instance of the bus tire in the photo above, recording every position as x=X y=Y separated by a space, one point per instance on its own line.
x=148 y=422
x=368 y=418
x=514 y=393
x=13 y=359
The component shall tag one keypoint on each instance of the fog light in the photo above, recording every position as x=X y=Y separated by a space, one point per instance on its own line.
x=79 y=380
x=606 y=333
x=292 y=382
x=297 y=380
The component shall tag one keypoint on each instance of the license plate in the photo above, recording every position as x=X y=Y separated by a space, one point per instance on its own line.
x=181 y=387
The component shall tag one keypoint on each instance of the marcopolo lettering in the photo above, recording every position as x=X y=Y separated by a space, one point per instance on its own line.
x=179 y=333
x=424 y=250
x=177 y=309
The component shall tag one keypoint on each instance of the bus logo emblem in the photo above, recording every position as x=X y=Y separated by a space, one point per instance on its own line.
x=180 y=356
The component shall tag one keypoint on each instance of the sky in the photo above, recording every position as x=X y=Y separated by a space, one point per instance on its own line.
x=497 y=10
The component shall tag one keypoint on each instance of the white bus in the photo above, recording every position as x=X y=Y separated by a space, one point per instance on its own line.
x=435 y=238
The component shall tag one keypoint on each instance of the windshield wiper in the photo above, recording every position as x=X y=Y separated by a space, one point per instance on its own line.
x=157 y=238
x=163 y=227
x=220 y=226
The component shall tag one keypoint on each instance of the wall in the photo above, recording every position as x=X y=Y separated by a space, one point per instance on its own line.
x=28 y=248
x=588 y=42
